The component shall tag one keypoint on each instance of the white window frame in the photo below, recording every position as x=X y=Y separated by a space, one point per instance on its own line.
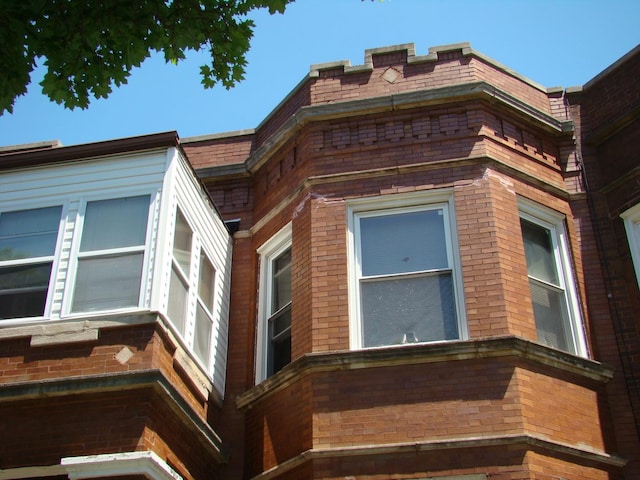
x=75 y=254
x=55 y=259
x=392 y=204
x=198 y=249
x=555 y=223
x=631 y=220
x=268 y=252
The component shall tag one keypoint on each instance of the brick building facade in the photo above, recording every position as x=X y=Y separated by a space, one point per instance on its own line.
x=418 y=267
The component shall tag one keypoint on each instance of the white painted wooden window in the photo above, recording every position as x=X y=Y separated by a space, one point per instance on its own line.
x=555 y=302
x=274 y=319
x=180 y=271
x=631 y=219
x=28 y=240
x=191 y=302
x=111 y=254
x=405 y=282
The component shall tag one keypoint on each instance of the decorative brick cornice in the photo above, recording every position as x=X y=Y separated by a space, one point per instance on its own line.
x=399 y=101
x=497 y=347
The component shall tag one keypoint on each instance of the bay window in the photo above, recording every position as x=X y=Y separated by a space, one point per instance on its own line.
x=405 y=279
x=555 y=302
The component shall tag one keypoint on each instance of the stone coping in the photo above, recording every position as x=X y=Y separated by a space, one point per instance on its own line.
x=438 y=352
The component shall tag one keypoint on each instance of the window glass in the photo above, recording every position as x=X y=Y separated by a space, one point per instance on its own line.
x=279 y=323
x=27 y=247
x=408 y=310
x=539 y=252
x=29 y=233
x=182 y=239
x=178 y=297
x=108 y=282
x=109 y=271
x=406 y=284
x=549 y=273
x=203 y=330
x=205 y=282
x=403 y=242
x=280 y=341
x=115 y=223
x=23 y=290
x=281 y=281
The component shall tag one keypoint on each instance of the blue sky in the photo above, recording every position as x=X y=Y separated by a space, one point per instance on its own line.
x=553 y=42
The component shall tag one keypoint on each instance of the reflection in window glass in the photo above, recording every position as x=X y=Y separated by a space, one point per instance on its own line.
x=182 y=239
x=178 y=297
x=115 y=223
x=27 y=247
x=104 y=283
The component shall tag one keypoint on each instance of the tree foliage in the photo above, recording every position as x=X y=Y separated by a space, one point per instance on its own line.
x=88 y=46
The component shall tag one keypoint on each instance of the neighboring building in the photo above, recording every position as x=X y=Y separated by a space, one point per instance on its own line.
x=421 y=267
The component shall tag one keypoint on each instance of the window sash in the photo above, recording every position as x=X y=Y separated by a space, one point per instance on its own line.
x=554 y=299
x=28 y=246
x=112 y=234
x=274 y=347
x=381 y=319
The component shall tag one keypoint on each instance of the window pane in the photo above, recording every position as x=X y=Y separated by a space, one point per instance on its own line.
x=408 y=310
x=281 y=281
x=281 y=356
x=115 y=223
x=279 y=353
x=205 y=282
x=403 y=242
x=279 y=323
x=108 y=282
x=182 y=243
x=551 y=317
x=539 y=252
x=23 y=290
x=177 y=308
x=25 y=276
x=23 y=304
x=29 y=233
x=202 y=341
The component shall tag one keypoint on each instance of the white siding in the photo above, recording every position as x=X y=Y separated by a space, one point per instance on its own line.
x=184 y=191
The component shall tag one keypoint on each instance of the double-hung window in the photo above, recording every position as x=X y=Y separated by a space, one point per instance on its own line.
x=27 y=250
x=274 y=323
x=405 y=277
x=190 y=306
x=555 y=303
x=111 y=254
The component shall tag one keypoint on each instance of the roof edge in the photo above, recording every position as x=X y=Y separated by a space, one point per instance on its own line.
x=21 y=159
